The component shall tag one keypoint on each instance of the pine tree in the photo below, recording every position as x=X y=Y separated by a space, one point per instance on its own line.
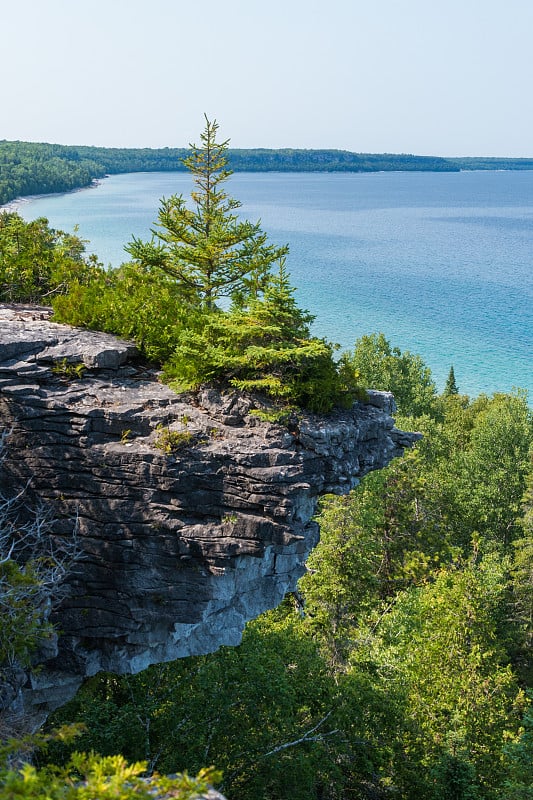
x=263 y=343
x=264 y=346
x=451 y=385
x=207 y=249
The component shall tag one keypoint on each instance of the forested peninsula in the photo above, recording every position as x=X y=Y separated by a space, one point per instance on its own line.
x=28 y=168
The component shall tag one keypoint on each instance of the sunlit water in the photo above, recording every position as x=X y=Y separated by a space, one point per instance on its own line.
x=440 y=262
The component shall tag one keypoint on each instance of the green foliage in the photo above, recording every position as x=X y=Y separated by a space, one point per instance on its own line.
x=522 y=587
x=23 y=623
x=171 y=441
x=342 y=584
x=292 y=728
x=38 y=262
x=454 y=778
x=396 y=590
x=398 y=671
x=277 y=416
x=488 y=475
x=269 y=738
x=380 y=366
x=390 y=532
x=438 y=646
x=167 y=300
x=401 y=670
x=36 y=168
x=39 y=168
x=133 y=302
x=451 y=385
x=29 y=574
x=208 y=250
x=423 y=510
x=518 y=753
x=89 y=776
x=68 y=370
x=263 y=346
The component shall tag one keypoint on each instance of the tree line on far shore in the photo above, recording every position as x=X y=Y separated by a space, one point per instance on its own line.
x=29 y=168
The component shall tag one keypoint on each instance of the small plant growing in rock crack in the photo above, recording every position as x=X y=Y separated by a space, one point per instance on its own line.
x=229 y=519
x=277 y=416
x=65 y=369
x=125 y=437
x=170 y=441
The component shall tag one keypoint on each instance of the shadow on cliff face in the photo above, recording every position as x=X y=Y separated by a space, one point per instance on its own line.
x=192 y=515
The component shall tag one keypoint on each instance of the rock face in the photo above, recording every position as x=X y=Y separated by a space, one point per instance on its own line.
x=192 y=515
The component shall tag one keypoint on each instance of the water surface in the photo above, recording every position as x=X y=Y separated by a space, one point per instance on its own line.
x=440 y=262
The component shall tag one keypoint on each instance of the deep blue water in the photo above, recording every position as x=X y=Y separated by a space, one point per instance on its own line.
x=440 y=262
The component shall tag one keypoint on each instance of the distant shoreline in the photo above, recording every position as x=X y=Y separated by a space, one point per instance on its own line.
x=13 y=206
x=33 y=169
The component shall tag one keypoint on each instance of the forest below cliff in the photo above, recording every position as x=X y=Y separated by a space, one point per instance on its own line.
x=28 y=168
x=401 y=667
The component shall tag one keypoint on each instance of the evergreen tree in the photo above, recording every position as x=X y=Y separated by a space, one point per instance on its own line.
x=451 y=385
x=207 y=249
x=168 y=300
x=263 y=345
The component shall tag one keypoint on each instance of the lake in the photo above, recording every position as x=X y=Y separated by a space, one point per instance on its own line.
x=440 y=262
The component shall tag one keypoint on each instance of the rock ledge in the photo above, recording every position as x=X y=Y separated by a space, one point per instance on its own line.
x=193 y=516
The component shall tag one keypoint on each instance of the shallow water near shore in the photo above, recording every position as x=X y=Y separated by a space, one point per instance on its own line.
x=442 y=263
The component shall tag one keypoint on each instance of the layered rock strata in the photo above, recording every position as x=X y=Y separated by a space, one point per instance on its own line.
x=192 y=515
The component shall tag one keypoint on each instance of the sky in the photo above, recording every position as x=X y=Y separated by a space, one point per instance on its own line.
x=430 y=77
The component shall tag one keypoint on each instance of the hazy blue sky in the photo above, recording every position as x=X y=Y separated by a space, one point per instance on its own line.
x=448 y=77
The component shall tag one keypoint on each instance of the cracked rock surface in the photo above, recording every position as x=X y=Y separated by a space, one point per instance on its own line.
x=192 y=515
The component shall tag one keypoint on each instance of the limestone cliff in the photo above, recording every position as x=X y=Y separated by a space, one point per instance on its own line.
x=193 y=516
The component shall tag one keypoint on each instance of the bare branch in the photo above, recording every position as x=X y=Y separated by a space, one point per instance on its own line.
x=307 y=737
x=33 y=566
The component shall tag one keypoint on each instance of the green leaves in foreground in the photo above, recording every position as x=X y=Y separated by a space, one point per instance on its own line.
x=89 y=776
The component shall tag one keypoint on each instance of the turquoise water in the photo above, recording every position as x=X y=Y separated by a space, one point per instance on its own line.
x=440 y=262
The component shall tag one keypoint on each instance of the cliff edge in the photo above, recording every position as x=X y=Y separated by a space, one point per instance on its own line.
x=192 y=516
